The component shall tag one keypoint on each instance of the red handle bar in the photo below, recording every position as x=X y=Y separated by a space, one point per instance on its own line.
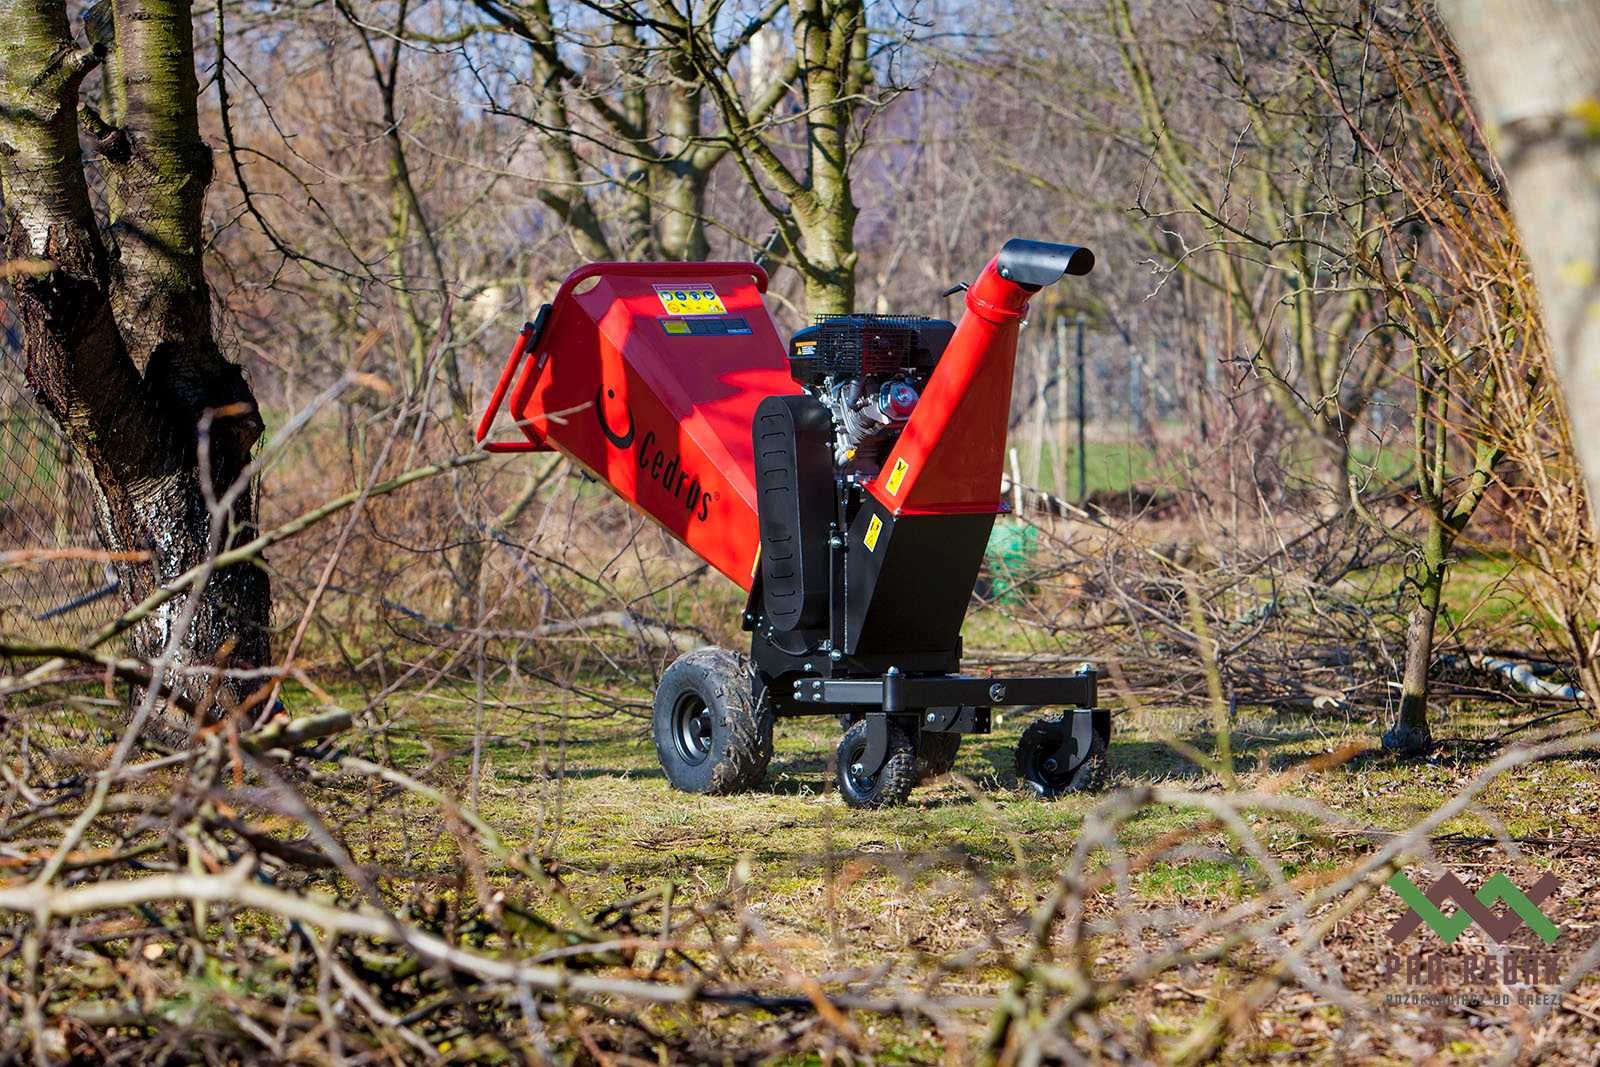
x=513 y=361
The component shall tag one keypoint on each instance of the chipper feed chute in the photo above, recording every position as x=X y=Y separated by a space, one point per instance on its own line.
x=649 y=375
x=848 y=481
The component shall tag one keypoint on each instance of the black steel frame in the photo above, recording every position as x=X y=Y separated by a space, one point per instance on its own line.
x=897 y=692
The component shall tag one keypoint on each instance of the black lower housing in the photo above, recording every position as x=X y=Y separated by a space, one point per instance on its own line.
x=857 y=611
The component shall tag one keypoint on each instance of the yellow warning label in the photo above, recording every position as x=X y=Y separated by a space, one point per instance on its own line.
x=874 y=528
x=897 y=476
x=697 y=299
x=674 y=326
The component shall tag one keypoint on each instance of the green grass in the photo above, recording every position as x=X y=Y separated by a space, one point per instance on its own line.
x=1116 y=466
x=1111 y=466
x=590 y=792
x=1380 y=466
x=29 y=463
x=824 y=890
x=1480 y=589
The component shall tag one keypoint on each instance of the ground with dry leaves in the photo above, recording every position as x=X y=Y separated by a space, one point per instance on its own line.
x=786 y=886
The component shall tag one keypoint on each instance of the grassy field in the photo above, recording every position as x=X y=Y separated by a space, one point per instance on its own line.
x=817 y=888
x=1112 y=466
x=1118 y=465
x=1485 y=594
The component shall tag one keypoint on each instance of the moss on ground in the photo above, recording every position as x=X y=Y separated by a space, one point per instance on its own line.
x=831 y=890
x=587 y=792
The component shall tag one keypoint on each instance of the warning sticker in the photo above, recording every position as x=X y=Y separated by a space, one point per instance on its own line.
x=874 y=528
x=721 y=326
x=897 y=476
x=697 y=299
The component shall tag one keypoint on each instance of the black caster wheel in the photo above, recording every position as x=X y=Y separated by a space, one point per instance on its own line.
x=1043 y=767
x=710 y=736
x=894 y=780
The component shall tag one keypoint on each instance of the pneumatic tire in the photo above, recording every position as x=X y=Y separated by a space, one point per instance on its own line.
x=893 y=782
x=710 y=736
x=1039 y=769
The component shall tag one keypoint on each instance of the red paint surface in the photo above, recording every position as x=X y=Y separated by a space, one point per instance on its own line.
x=690 y=401
x=954 y=445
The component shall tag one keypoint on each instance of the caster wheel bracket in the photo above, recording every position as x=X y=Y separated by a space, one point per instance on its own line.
x=876 y=753
x=1076 y=740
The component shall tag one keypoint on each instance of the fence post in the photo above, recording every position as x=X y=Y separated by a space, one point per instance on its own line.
x=1083 y=453
x=1040 y=352
x=1059 y=445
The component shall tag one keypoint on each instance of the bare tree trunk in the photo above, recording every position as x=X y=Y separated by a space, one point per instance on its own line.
x=648 y=111
x=830 y=37
x=1535 y=68
x=814 y=210
x=682 y=183
x=563 y=189
x=118 y=342
x=1410 y=734
x=1335 y=448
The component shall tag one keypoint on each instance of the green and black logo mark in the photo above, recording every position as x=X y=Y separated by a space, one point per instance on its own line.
x=1522 y=909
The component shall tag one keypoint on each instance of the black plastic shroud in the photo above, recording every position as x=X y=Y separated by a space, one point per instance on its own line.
x=795 y=507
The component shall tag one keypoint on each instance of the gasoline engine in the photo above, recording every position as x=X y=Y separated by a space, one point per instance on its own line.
x=869 y=371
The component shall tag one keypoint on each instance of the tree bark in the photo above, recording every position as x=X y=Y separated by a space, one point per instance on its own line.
x=1410 y=734
x=830 y=36
x=117 y=341
x=681 y=183
x=1534 y=66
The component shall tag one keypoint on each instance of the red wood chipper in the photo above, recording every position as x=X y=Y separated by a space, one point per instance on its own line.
x=848 y=481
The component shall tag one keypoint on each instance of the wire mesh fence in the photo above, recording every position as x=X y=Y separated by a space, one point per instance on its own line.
x=1089 y=411
x=46 y=505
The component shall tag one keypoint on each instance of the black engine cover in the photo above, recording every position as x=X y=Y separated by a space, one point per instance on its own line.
x=872 y=346
x=795 y=505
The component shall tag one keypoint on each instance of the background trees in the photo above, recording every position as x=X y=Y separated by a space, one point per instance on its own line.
x=1281 y=193
x=1330 y=493
x=667 y=95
